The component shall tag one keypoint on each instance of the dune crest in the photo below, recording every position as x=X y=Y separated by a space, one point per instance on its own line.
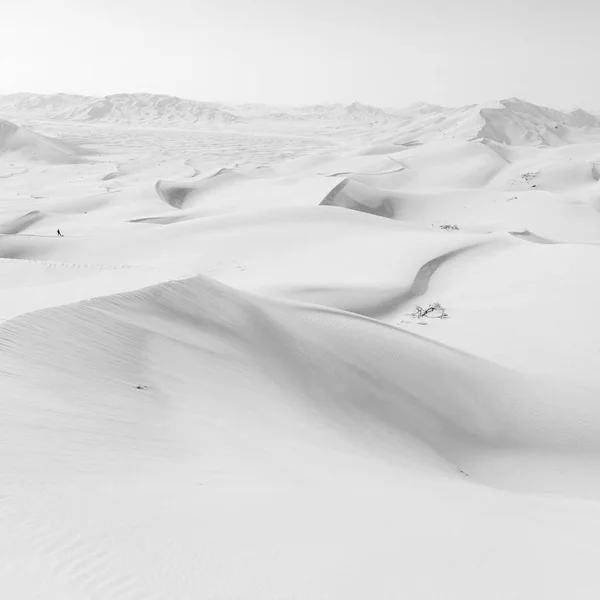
x=35 y=147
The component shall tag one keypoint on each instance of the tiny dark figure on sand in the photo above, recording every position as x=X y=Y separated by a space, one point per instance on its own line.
x=59 y=233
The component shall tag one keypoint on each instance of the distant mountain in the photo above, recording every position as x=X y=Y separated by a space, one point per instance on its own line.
x=519 y=122
x=155 y=109
x=365 y=112
x=511 y=121
x=139 y=109
x=421 y=108
x=336 y=112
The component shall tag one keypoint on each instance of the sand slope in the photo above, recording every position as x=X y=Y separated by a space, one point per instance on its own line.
x=32 y=146
x=215 y=386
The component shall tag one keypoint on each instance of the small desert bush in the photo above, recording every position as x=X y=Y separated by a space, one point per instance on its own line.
x=433 y=311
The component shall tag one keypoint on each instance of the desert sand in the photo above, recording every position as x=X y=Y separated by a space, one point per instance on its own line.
x=214 y=385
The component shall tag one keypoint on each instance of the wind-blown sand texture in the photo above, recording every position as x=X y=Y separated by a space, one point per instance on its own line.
x=212 y=387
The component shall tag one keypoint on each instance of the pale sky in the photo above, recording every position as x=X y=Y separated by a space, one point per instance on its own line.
x=382 y=52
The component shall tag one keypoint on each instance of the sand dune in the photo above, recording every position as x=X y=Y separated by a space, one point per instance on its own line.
x=230 y=191
x=177 y=195
x=21 y=223
x=301 y=343
x=33 y=146
x=217 y=385
x=519 y=122
x=135 y=383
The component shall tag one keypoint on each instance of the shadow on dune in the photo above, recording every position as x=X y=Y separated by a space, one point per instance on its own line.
x=180 y=195
x=356 y=196
x=22 y=223
x=533 y=238
x=162 y=220
x=301 y=371
x=380 y=302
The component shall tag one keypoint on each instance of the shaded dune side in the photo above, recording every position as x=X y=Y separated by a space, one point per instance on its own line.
x=518 y=122
x=529 y=236
x=357 y=196
x=181 y=195
x=382 y=302
x=36 y=147
x=360 y=379
x=21 y=223
x=482 y=210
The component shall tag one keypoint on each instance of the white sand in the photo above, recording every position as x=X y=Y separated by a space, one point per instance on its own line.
x=211 y=388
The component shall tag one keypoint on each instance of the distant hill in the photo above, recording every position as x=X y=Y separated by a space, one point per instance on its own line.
x=511 y=121
x=140 y=109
